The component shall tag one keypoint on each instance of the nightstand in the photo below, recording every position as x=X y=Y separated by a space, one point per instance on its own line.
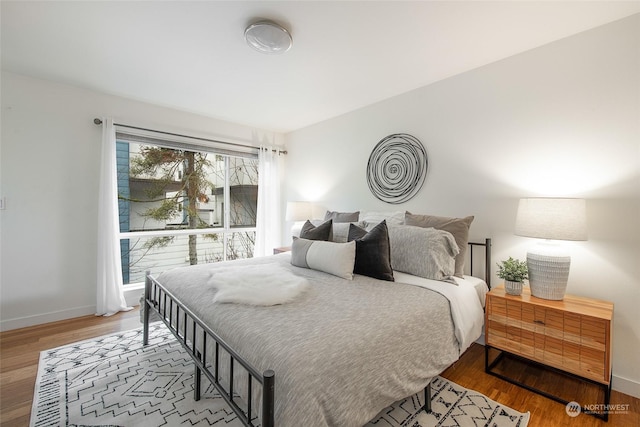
x=572 y=336
x=281 y=249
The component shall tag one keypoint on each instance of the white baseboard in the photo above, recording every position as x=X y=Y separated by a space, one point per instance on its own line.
x=131 y=296
x=626 y=386
x=54 y=316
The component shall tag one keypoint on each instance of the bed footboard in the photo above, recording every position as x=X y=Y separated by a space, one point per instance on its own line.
x=195 y=336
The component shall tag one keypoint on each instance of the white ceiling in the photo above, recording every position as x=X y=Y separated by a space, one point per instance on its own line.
x=192 y=56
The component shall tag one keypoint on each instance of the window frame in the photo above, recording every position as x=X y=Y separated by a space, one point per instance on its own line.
x=181 y=142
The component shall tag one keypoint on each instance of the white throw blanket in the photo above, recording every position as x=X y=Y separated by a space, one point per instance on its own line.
x=466 y=309
x=257 y=285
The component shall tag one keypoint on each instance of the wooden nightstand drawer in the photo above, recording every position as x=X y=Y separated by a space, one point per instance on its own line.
x=498 y=307
x=498 y=330
x=571 y=356
x=594 y=331
x=573 y=334
x=572 y=328
x=554 y=323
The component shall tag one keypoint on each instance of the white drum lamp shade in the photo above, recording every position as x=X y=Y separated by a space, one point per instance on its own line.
x=552 y=219
x=298 y=212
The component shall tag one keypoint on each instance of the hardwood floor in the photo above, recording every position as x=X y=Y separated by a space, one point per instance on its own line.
x=20 y=350
x=469 y=373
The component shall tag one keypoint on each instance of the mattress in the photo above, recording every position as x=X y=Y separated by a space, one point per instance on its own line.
x=344 y=349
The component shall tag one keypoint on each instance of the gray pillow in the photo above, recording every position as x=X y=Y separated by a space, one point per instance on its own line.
x=320 y=232
x=423 y=252
x=342 y=216
x=458 y=227
x=330 y=257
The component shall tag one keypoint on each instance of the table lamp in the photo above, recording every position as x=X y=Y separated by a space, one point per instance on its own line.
x=553 y=219
x=298 y=212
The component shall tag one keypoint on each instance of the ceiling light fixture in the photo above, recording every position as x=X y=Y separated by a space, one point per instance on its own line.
x=268 y=37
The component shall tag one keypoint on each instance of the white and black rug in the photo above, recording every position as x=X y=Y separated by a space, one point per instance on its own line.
x=114 y=381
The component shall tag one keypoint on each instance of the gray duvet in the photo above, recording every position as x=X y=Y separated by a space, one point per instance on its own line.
x=342 y=351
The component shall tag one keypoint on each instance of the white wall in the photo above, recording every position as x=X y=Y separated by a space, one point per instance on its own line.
x=560 y=120
x=49 y=175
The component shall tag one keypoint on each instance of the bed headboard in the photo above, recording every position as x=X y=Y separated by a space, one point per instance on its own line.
x=487 y=258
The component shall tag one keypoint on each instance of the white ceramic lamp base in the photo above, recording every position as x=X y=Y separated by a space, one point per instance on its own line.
x=548 y=274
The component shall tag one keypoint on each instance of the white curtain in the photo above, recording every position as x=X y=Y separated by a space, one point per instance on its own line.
x=110 y=292
x=268 y=216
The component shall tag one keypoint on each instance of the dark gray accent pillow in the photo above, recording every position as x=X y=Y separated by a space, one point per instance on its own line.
x=321 y=232
x=342 y=216
x=373 y=252
x=459 y=227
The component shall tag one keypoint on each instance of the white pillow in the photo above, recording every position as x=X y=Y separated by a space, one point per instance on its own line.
x=330 y=257
x=373 y=218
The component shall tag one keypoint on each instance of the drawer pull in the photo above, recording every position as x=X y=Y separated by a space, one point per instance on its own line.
x=539 y=322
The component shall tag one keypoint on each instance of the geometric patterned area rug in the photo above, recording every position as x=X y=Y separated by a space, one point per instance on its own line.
x=114 y=381
x=451 y=405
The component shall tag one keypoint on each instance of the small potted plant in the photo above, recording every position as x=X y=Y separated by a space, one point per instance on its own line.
x=514 y=272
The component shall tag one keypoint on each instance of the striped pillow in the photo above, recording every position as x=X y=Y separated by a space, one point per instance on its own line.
x=330 y=257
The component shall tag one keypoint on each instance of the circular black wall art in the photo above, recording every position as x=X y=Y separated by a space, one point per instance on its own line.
x=397 y=168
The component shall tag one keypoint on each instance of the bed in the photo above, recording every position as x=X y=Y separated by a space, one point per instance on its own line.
x=336 y=354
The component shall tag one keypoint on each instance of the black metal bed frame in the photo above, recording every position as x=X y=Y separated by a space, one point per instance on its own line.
x=487 y=259
x=163 y=302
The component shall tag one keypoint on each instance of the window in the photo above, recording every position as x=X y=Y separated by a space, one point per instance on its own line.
x=182 y=205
